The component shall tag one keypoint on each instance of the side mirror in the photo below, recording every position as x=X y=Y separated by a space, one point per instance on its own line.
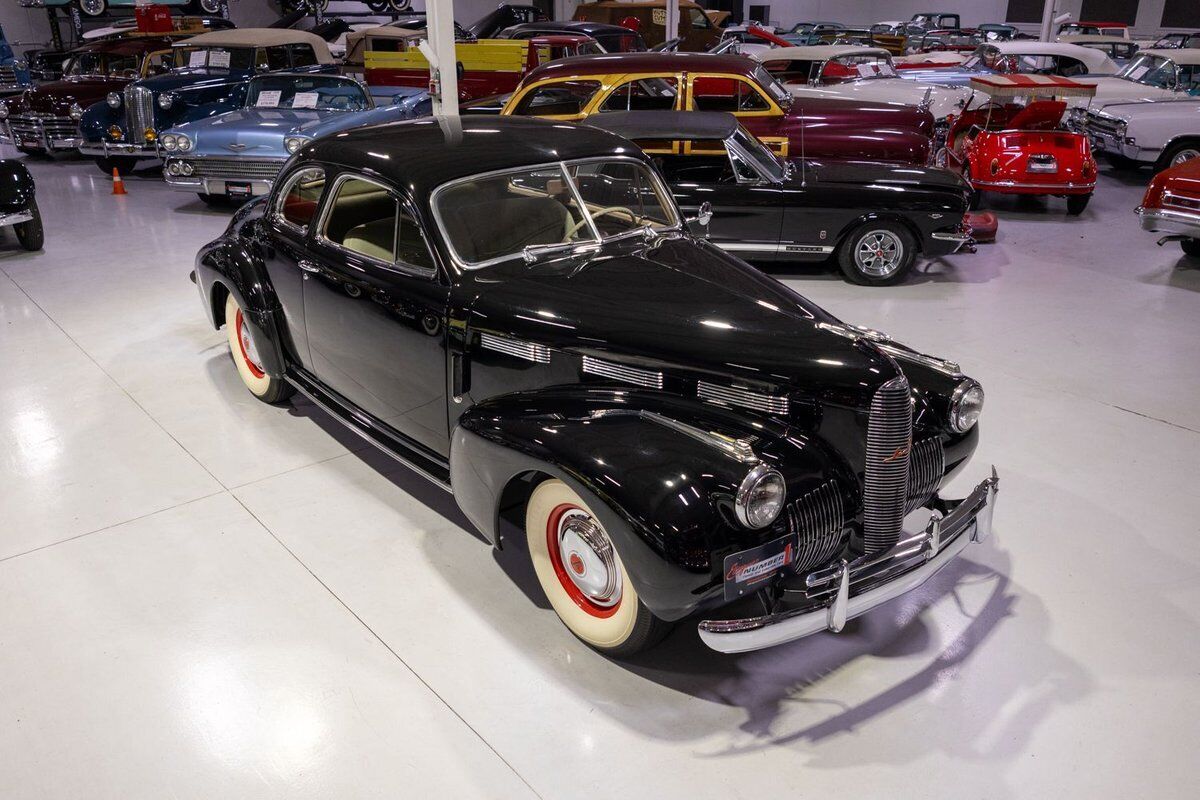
x=703 y=217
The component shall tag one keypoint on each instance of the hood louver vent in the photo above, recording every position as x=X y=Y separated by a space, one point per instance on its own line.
x=638 y=377
x=537 y=353
x=733 y=396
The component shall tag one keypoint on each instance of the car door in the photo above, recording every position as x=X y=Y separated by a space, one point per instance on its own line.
x=375 y=310
x=287 y=229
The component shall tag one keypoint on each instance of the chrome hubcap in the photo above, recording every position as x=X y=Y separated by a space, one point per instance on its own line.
x=879 y=253
x=1184 y=155
x=589 y=558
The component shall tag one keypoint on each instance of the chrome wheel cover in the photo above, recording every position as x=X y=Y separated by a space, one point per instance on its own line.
x=879 y=253
x=1186 y=154
x=248 y=344
x=211 y=6
x=93 y=8
x=588 y=558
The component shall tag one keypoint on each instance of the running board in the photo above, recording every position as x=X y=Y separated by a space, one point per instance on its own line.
x=411 y=454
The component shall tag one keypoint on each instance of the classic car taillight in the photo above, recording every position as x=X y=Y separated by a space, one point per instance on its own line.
x=1154 y=192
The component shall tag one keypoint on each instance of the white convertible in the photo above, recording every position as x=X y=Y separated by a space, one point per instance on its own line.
x=856 y=73
x=1161 y=134
x=1152 y=75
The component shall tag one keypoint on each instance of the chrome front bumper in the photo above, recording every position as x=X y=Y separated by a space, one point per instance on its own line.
x=1020 y=186
x=1174 y=223
x=848 y=590
x=107 y=149
x=1115 y=145
x=215 y=185
x=15 y=218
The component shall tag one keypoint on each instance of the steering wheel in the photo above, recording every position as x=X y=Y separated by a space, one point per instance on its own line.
x=600 y=213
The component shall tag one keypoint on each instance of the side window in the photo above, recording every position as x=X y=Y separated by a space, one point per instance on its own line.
x=1068 y=67
x=699 y=19
x=298 y=201
x=277 y=58
x=411 y=247
x=726 y=94
x=565 y=98
x=647 y=94
x=362 y=218
x=303 y=55
x=159 y=62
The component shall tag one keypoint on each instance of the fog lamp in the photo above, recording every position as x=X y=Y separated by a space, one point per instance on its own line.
x=186 y=168
x=115 y=132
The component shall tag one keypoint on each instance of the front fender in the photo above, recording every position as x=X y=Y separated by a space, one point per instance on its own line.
x=653 y=467
x=18 y=187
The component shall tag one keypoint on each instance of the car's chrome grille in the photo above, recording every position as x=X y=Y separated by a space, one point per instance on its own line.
x=8 y=78
x=622 y=372
x=1102 y=125
x=925 y=468
x=236 y=168
x=32 y=126
x=734 y=396
x=817 y=520
x=529 y=351
x=139 y=111
x=885 y=485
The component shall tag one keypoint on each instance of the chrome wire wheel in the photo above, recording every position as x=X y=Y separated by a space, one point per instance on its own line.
x=1186 y=154
x=879 y=253
x=93 y=8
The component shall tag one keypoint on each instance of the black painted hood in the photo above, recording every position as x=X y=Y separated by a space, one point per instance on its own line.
x=908 y=178
x=679 y=306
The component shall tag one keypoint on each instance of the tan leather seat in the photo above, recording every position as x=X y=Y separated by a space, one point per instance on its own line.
x=376 y=239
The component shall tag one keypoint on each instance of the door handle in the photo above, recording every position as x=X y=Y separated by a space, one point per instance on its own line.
x=308 y=266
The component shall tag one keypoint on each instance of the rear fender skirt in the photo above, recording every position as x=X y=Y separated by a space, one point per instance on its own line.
x=659 y=479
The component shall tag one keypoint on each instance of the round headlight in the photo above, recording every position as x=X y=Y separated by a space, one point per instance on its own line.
x=113 y=100
x=183 y=143
x=166 y=100
x=3 y=110
x=760 y=497
x=186 y=168
x=966 y=405
x=294 y=143
x=75 y=111
x=168 y=141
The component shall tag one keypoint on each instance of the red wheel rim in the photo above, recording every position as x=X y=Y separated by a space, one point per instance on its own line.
x=560 y=569
x=242 y=334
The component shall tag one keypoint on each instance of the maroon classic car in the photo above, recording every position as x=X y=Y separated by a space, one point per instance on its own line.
x=821 y=128
x=46 y=118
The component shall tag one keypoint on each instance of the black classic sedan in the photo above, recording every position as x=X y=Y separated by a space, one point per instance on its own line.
x=874 y=218
x=18 y=204
x=515 y=308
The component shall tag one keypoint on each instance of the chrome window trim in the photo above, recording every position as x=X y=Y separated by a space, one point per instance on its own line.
x=664 y=192
x=285 y=187
x=394 y=265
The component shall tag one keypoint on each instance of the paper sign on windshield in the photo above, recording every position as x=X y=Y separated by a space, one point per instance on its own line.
x=218 y=58
x=305 y=100
x=196 y=58
x=268 y=99
x=866 y=70
x=1137 y=73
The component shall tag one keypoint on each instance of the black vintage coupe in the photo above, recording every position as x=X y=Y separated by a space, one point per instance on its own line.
x=18 y=204
x=514 y=308
x=874 y=218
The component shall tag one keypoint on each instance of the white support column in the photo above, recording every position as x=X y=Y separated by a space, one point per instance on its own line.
x=443 y=66
x=672 y=24
x=1047 y=34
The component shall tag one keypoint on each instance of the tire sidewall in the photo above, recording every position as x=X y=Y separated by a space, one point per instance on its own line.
x=30 y=234
x=850 y=266
x=607 y=633
x=260 y=386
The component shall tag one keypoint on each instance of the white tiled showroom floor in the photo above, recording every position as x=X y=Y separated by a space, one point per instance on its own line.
x=202 y=596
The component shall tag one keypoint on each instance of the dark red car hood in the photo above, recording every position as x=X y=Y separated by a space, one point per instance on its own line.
x=57 y=96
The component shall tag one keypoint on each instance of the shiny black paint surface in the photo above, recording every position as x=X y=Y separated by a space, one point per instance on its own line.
x=398 y=357
x=16 y=186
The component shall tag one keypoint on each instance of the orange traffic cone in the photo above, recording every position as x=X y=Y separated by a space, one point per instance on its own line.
x=118 y=184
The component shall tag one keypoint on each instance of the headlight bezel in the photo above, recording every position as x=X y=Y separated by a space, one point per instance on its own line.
x=744 y=500
x=293 y=143
x=168 y=142
x=75 y=112
x=959 y=418
x=184 y=142
x=113 y=99
x=166 y=100
x=3 y=110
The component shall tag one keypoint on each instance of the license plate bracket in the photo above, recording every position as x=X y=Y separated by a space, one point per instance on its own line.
x=237 y=189
x=747 y=571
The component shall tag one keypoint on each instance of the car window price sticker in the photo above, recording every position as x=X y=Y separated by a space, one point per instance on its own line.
x=268 y=99
x=219 y=58
x=197 y=58
x=305 y=100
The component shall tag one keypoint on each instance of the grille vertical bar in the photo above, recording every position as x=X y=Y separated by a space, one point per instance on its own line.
x=817 y=519
x=925 y=470
x=139 y=111
x=889 y=440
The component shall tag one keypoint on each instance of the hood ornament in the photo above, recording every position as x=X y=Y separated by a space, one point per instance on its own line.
x=237 y=148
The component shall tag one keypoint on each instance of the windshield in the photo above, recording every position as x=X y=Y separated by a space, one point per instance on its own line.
x=239 y=58
x=322 y=93
x=103 y=64
x=777 y=90
x=857 y=67
x=1150 y=70
x=494 y=218
x=758 y=154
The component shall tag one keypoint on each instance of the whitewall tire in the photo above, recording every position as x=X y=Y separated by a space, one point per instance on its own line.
x=245 y=357
x=582 y=574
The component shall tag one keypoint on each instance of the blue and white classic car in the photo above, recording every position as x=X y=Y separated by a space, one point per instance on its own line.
x=237 y=155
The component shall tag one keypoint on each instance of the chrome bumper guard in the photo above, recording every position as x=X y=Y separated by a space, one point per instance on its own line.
x=215 y=185
x=106 y=148
x=964 y=240
x=15 y=218
x=43 y=139
x=1176 y=224
x=840 y=593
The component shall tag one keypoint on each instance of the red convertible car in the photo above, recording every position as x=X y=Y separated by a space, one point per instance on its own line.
x=1171 y=205
x=1006 y=147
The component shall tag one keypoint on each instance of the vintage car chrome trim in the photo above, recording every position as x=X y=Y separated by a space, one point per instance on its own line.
x=1172 y=222
x=880 y=578
x=1024 y=185
x=740 y=449
x=15 y=218
x=106 y=148
x=50 y=132
x=258 y=187
x=622 y=372
x=774 y=247
x=738 y=396
x=537 y=353
x=892 y=348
